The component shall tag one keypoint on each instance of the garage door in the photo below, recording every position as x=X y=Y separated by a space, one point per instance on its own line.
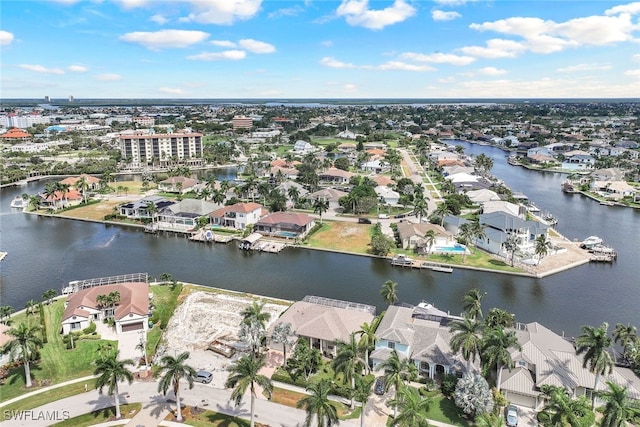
x=132 y=327
x=521 y=400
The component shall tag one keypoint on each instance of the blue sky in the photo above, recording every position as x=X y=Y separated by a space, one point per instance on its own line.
x=319 y=49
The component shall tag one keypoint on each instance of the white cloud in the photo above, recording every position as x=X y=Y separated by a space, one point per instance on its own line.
x=223 y=43
x=231 y=55
x=440 y=15
x=159 y=19
x=5 y=38
x=327 y=43
x=350 y=88
x=223 y=12
x=108 y=77
x=632 y=8
x=453 y=2
x=403 y=66
x=256 y=46
x=449 y=79
x=171 y=90
x=78 y=68
x=438 y=58
x=491 y=71
x=165 y=38
x=632 y=73
x=130 y=4
x=287 y=11
x=357 y=13
x=496 y=48
x=40 y=69
x=584 y=67
x=635 y=57
x=334 y=63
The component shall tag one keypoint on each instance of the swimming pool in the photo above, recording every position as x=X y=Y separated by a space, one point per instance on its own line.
x=457 y=249
x=289 y=234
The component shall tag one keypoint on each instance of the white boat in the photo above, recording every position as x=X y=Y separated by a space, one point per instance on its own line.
x=591 y=241
x=18 y=202
x=3 y=255
x=402 y=260
x=444 y=268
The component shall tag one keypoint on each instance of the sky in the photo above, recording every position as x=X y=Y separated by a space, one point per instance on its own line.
x=280 y=49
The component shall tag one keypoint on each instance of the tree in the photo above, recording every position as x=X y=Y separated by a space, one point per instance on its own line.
x=429 y=239
x=348 y=361
x=442 y=210
x=172 y=370
x=542 y=246
x=388 y=292
x=245 y=374
x=30 y=307
x=625 y=335
x=381 y=245
x=490 y=420
x=499 y=318
x=472 y=303
x=420 y=209
x=511 y=246
x=561 y=410
x=283 y=334
x=362 y=393
x=5 y=313
x=253 y=327
x=305 y=360
x=294 y=194
x=495 y=350
x=473 y=395
x=111 y=371
x=49 y=295
x=367 y=334
x=318 y=405
x=412 y=409
x=595 y=343
x=24 y=346
x=466 y=339
x=397 y=370
x=83 y=185
x=619 y=408
x=320 y=206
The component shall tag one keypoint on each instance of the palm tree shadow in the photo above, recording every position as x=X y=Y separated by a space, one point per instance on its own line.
x=231 y=409
x=159 y=403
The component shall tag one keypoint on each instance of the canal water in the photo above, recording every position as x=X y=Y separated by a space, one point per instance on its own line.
x=48 y=253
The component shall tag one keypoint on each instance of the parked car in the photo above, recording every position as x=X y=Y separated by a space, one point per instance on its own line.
x=364 y=221
x=203 y=377
x=383 y=216
x=378 y=388
x=512 y=416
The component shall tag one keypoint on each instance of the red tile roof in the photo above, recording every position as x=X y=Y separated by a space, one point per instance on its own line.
x=15 y=133
x=134 y=298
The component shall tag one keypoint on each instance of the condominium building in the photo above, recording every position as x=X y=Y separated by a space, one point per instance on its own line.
x=144 y=121
x=242 y=122
x=143 y=148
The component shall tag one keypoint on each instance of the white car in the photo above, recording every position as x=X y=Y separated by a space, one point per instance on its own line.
x=512 y=416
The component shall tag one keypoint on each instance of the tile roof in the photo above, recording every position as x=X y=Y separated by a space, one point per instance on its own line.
x=286 y=218
x=134 y=298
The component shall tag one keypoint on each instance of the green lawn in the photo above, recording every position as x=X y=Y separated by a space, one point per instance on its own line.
x=165 y=300
x=101 y=416
x=215 y=419
x=50 y=396
x=56 y=363
x=445 y=410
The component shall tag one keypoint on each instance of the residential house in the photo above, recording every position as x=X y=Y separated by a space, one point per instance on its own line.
x=60 y=200
x=482 y=195
x=412 y=236
x=183 y=215
x=389 y=196
x=382 y=180
x=177 y=184
x=141 y=209
x=498 y=226
x=374 y=166
x=421 y=334
x=504 y=206
x=330 y=195
x=578 y=160
x=324 y=322
x=73 y=181
x=285 y=224
x=335 y=176
x=303 y=147
x=613 y=189
x=608 y=174
x=129 y=314
x=346 y=134
x=237 y=216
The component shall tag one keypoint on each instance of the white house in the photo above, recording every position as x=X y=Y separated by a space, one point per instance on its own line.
x=390 y=197
x=237 y=216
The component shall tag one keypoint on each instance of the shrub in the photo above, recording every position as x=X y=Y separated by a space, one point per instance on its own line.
x=89 y=329
x=448 y=385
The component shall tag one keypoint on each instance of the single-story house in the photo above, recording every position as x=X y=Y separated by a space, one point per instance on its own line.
x=73 y=181
x=59 y=200
x=375 y=166
x=389 y=196
x=482 y=195
x=237 y=216
x=140 y=209
x=285 y=224
x=503 y=206
x=324 y=321
x=183 y=215
x=615 y=189
x=335 y=176
x=130 y=313
x=412 y=236
x=177 y=184
x=330 y=195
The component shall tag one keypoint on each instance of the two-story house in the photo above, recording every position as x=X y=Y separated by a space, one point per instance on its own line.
x=237 y=216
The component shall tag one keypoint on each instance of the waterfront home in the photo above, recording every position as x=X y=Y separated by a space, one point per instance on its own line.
x=499 y=226
x=548 y=358
x=577 y=160
x=141 y=209
x=422 y=335
x=607 y=174
x=130 y=313
x=483 y=195
x=382 y=180
x=613 y=189
x=504 y=206
x=412 y=236
x=60 y=200
x=73 y=181
x=389 y=196
x=455 y=167
x=283 y=172
x=324 y=321
x=330 y=195
x=285 y=224
x=177 y=184
x=183 y=215
x=335 y=176
x=237 y=216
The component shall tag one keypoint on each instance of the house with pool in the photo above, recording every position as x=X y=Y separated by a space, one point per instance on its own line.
x=285 y=224
x=237 y=216
x=416 y=236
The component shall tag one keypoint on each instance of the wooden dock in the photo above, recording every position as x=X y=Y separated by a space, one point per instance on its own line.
x=208 y=236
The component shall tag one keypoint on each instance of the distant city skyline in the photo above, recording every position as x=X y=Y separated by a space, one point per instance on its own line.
x=319 y=49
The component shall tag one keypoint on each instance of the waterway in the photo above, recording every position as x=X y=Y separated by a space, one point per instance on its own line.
x=49 y=252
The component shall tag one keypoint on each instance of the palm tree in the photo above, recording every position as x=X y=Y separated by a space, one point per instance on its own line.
x=83 y=185
x=430 y=239
x=466 y=339
x=49 y=295
x=542 y=246
x=320 y=206
x=318 y=405
x=367 y=333
x=245 y=375
x=35 y=202
x=511 y=246
x=110 y=372
x=595 y=343
x=50 y=193
x=172 y=370
x=625 y=335
x=420 y=208
x=472 y=303
x=348 y=361
x=30 y=306
x=24 y=346
x=619 y=408
x=495 y=350
x=442 y=210
x=396 y=371
x=294 y=194
x=283 y=334
x=490 y=420
x=5 y=313
x=561 y=410
x=254 y=313
x=388 y=292
x=362 y=393
x=413 y=409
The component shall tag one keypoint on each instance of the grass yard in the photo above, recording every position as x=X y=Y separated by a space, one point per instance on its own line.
x=291 y=399
x=445 y=410
x=165 y=299
x=56 y=363
x=213 y=419
x=101 y=416
x=95 y=211
x=50 y=396
x=341 y=236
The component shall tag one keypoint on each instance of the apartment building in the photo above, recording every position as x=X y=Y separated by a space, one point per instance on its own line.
x=144 y=148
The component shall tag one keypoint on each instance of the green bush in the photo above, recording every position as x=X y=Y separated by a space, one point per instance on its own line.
x=448 y=385
x=89 y=329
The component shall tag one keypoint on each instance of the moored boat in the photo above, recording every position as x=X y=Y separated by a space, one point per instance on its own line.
x=18 y=202
x=591 y=242
x=443 y=268
x=402 y=260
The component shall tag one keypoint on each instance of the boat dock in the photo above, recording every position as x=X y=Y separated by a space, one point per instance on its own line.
x=403 y=261
x=208 y=236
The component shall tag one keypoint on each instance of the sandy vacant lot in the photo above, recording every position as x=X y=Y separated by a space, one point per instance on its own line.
x=205 y=316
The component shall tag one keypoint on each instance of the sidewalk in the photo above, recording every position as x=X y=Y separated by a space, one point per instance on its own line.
x=44 y=389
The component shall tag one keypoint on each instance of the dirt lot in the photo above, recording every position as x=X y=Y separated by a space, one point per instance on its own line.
x=205 y=316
